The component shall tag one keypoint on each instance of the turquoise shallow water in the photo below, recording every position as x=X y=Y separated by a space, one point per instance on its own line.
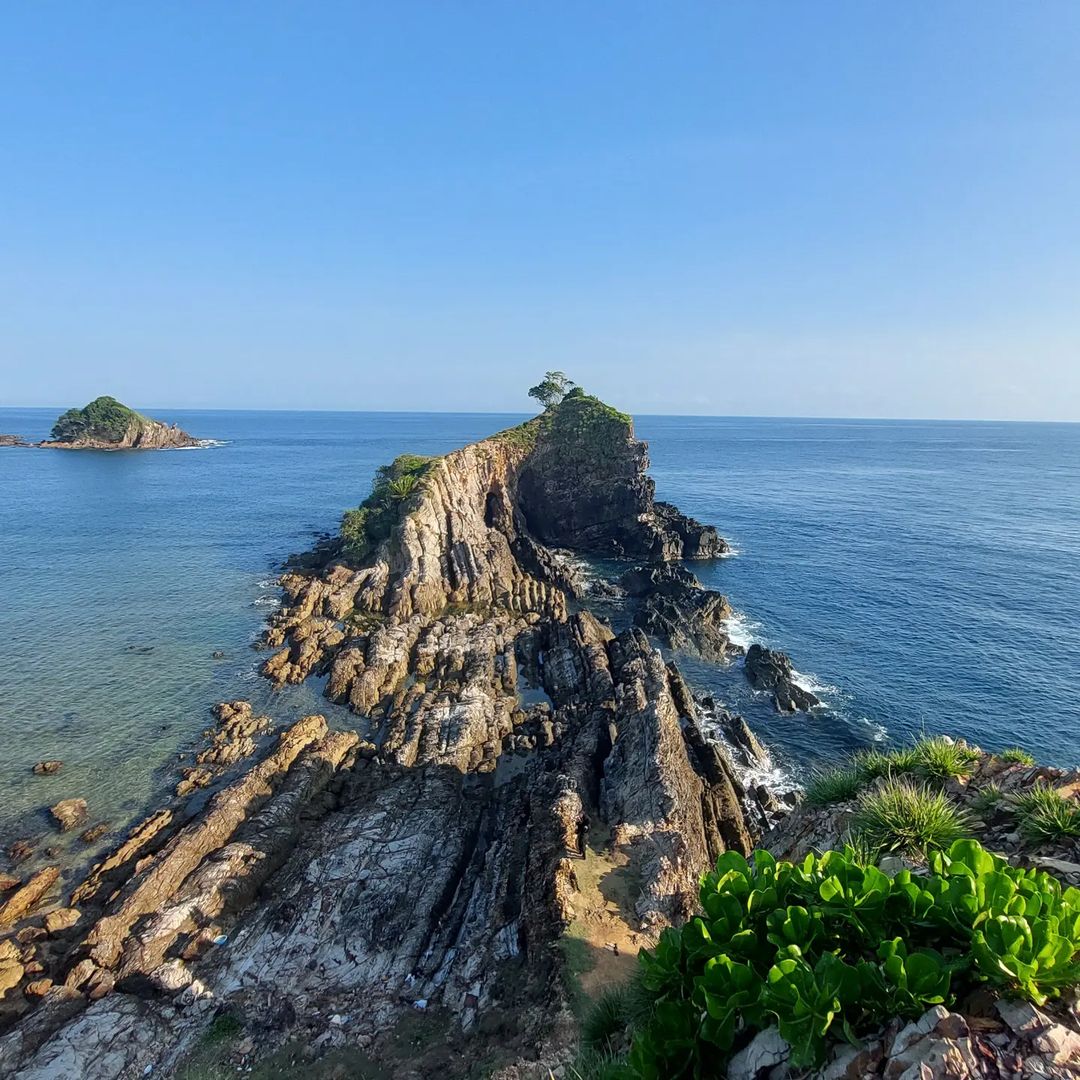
x=923 y=575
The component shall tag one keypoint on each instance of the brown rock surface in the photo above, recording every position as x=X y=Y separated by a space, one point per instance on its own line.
x=24 y=899
x=69 y=813
x=430 y=856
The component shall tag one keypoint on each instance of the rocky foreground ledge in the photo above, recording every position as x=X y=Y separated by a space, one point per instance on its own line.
x=525 y=789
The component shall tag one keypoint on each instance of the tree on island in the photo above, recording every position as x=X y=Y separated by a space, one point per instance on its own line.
x=552 y=388
x=104 y=418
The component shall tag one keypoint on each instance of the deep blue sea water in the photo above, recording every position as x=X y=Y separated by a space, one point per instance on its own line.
x=922 y=575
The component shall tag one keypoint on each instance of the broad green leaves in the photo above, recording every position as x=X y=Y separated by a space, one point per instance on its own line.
x=828 y=948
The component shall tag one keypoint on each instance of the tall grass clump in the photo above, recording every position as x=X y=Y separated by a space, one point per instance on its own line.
x=987 y=799
x=940 y=759
x=907 y=818
x=875 y=763
x=838 y=784
x=1045 y=814
x=1017 y=755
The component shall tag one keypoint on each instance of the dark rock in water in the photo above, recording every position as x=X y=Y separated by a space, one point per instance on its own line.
x=768 y=669
x=738 y=733
x=20 y=851
x=48 y=768
x=217 y=655
x=95 y=832
x=676 y=609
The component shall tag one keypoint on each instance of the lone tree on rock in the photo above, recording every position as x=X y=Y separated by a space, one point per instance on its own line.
x=552 y=389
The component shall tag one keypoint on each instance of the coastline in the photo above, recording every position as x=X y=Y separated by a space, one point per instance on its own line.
x=496 y=716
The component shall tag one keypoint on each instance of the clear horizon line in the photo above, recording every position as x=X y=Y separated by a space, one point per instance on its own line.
x=526 y=415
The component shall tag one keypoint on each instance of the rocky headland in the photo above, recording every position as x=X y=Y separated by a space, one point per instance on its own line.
x=106 y=424
x=526 y=798
x=523 y=784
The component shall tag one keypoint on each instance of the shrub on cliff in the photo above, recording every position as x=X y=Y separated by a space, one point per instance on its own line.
x=831 y=948
x=104 y=418
x=371 y=522
x=907 y=818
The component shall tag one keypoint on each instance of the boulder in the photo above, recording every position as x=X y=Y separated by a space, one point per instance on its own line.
x=69 y=813
x=48 y=767
x=56 y=922
x=767 y=669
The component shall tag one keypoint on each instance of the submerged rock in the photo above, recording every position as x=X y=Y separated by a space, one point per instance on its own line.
x=48 y=768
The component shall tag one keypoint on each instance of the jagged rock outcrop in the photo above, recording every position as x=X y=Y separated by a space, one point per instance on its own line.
x=106 y=424
x=13 y=440
x=767 y=669
x=585 y=486
x=677 y=610
x=436 y=854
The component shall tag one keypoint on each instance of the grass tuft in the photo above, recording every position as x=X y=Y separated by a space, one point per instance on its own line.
x=905 y=817
x=940 y=759
x=1018 y=755
x=987 y=799
x=1045 y=814
x=838 y=784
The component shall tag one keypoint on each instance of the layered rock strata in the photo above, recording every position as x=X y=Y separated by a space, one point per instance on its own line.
x=433 y=858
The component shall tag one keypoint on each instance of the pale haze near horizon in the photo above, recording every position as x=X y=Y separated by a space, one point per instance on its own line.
x=826 y=209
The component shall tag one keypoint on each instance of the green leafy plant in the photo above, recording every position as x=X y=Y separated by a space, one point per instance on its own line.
x=1018 y=755
x=830 y=948
x=1045 y=814
x=363 y=528
x=905 y=817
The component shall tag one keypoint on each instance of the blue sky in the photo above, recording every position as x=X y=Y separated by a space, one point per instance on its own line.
x=837 y=209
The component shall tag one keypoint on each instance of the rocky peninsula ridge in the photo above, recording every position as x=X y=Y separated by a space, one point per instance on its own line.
x=527 y=797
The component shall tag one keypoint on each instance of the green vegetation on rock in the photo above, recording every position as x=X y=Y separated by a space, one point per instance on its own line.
x=905 y=817
x=1017 y=755
x=104 y=418
x=552 y=388
x=371 y=522
x=1045 y=814
x=831 y=948
x=933 y=758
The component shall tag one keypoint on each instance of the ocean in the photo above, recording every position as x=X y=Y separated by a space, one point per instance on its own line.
x=923 y=577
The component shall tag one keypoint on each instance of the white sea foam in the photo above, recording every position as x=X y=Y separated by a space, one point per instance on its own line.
x=268 y=583
x=879 y=732
x=812 y=683
x=203 y=444
x=741 y=629
x=267 y=601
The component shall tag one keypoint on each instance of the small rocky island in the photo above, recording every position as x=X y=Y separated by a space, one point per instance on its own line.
x=528 y=796
x=107 y=424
